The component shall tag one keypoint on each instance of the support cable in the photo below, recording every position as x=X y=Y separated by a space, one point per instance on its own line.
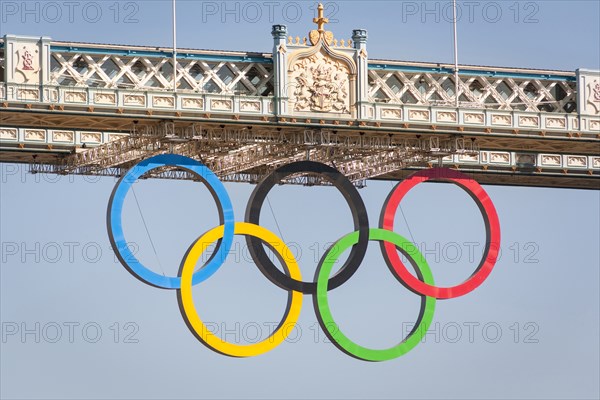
x=405 y=220
x=275 y=218
x=147 y=231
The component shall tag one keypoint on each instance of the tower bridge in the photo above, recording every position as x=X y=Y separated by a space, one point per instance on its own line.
x=98 y=109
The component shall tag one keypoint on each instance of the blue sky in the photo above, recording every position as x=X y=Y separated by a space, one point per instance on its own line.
x=530 y=331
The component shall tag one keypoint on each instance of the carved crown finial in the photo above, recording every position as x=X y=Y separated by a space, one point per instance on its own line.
x=320 y=20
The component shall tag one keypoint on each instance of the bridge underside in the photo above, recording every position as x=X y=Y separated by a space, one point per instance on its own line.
x=246 y=150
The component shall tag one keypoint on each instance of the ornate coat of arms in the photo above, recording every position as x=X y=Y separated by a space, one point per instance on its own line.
x=594 y=95
x=28 y=63
x=320 y=84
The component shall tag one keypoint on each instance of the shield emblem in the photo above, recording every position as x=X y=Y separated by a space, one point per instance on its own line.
x=594 y=95
x=28 y=62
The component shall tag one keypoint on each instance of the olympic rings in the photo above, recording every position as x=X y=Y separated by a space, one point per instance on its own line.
x=359 y=215
x=188 y=309
x=291 y=280
x=492 y=228
x=115 y=227
x=321 y=304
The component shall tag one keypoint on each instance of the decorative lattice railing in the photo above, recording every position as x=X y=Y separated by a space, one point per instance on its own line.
x=557 y=95
x=115 y=71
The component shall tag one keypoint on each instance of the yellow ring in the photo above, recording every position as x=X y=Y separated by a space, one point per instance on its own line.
x=189 y=309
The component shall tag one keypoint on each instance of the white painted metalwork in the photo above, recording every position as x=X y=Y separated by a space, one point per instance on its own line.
x=485 y=92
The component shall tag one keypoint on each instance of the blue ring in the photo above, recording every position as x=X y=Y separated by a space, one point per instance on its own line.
x=115 y=227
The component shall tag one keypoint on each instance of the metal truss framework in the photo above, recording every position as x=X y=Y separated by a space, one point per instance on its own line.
x=249 y=154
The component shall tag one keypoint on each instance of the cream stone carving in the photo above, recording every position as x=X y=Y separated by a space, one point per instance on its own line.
x=500 y=119
x=446 y=116
x=105 y=98
x=556 y=123
x=468 y=158
x=418 y=115
x=594 y=125
x=596 y=162
x=320 y=84
x=63 y=136
x=500 y=158
x=52 y=95
x=250 y=106
x=8 y=134
x=35 y=134
x=134 y=100
x=163 y=101
x=116 y=136
x=94 y=137
x=529 y=121
x=549 y=159
x=577 y=161
x=27 y=69
x=575 y=123
x=472 y=118
x=593 y=98
x=190 y=103
x=28 y=94
x=225 y=105
x=391 y=113
x=75 y=97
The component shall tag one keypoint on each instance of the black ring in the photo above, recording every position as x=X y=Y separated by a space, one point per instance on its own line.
x=359 y=216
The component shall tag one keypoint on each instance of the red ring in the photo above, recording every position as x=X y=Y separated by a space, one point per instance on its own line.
x=492 y=227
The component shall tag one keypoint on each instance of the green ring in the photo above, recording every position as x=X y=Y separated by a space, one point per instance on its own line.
x=324 y=313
